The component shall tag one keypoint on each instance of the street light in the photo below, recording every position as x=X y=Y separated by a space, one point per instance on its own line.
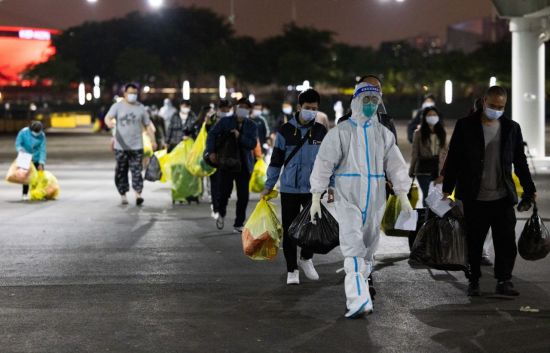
x=156 y=3
x=492 y=81
x=186 y=90
x=97 y=89
x=91 y=1
x=251 y=98
x=81 y=93
x=223 y=87
x=448 y=91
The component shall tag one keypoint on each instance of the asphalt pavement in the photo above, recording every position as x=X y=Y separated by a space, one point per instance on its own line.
x=85 y=274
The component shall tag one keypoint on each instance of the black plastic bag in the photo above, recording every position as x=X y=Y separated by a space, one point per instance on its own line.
x=441 y=244
x=228 y=153
x=534 y=242
x=320 y=238
x=153 y=171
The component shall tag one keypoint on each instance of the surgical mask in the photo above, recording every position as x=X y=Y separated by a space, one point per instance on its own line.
x=369 y=109
x=265 y=112
x=225 y=114
x=35 y=134
x=256 y=113
x=131 y=97
x=242 y=112
x=428 y=105
x=287 y=110
x=185 y=110
x=432 y=119
x=493 y=114
x=308 y=115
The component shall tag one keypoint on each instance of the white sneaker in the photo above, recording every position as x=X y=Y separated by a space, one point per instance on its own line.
x=309 y=270
x=25 y=197
x=293 y=277
x=123 y=200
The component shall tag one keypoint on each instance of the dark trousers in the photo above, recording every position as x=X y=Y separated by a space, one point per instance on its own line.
x=424 y=182
x=26 y=187
x=241 y=179
x=291 y=205
x=132 y=161
x=500 y=217
x=215 y=191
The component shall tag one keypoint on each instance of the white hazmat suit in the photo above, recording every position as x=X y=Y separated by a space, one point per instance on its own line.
x=360 y=153
x=166 y=112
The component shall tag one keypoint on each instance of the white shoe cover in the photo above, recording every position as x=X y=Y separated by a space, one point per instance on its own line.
x=357 y=290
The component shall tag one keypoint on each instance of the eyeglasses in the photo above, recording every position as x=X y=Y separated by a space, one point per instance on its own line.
x=371 y=99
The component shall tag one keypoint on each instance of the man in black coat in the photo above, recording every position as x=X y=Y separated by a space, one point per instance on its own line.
x=482 y=151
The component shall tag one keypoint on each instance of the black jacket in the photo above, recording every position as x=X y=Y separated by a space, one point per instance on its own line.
x=464 y=164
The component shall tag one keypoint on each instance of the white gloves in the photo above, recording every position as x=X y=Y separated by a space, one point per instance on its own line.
x=315 y=207
x=405 y=203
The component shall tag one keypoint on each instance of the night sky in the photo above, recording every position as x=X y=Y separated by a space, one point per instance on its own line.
x=363 y=22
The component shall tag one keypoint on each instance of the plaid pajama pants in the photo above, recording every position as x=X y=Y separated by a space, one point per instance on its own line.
x=132 y=161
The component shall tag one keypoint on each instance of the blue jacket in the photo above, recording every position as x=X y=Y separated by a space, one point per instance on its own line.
x=295 y=176
x=35 y=145
x=248 y=138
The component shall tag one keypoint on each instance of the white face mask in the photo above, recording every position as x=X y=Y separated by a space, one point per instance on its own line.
x=256 y=113
x=432 y=119
x=242 y=112
x=493 y=114
x=131 y=97
x=428 y=105
x=185 y=110
x=225 y=114
x=35 y=134
x=287 y=110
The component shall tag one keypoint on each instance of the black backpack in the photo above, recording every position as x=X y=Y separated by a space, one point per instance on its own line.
x=228 y=152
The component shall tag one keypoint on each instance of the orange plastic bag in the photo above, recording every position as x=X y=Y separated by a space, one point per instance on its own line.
x=18 y=175
x=263 y=231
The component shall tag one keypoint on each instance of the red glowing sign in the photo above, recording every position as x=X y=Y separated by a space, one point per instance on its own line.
x=21 y=48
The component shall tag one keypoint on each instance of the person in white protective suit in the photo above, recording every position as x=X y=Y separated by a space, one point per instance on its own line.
x=166 y=112
x=360 y=153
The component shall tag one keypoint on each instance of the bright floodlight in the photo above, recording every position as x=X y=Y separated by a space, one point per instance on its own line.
x=251 y=98
x=156 y=3
x=146 y=89
x=448 y=91
x=304 y=86
x=97 y=92
x=223 y=87
x=81 y=93
x=492 y=81
x=186 y=90
x=92 y=1
x=96 y=80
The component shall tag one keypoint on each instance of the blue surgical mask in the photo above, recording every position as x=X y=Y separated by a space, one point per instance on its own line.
x=308 y=115
x=242 y=112
x=432 y=119
x=493 y=114
x=132 y=97
x=225 y=114
x=369 y=109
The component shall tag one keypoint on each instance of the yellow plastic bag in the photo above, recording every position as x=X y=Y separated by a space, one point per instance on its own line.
x=393 y=209
x=18 y=175
x=263 y=231
x=44 y=187
x=176 y=157
x=97 y=126
x=259 y=176
x=195 y=163
x=519 y=188
x=147 y=146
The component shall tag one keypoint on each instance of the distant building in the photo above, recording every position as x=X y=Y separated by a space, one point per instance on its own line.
x=467 y=36
x=426 y=43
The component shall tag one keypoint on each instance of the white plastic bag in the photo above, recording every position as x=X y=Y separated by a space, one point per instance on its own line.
x=435 y=200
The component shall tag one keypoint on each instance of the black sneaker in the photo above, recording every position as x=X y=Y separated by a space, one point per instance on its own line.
x=220 y=223
x=473 y=289
x=506 y=288
x=372 y=290
x=139 y=201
